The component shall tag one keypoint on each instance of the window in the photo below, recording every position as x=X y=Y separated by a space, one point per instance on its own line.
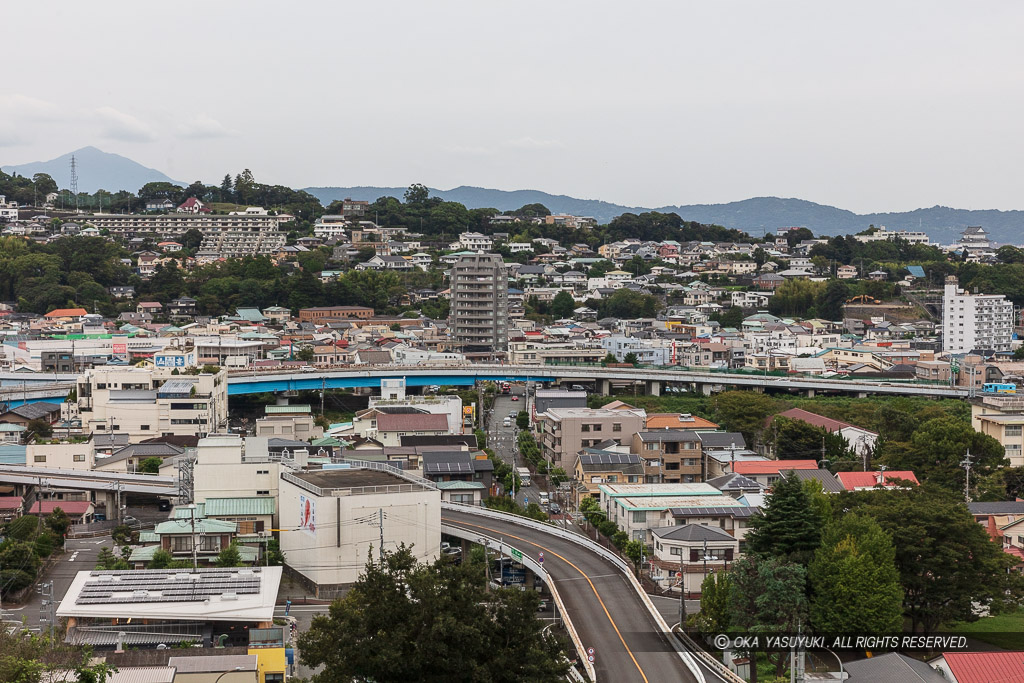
x=675 y=551
x=262 y=471
x=650 y=446
x=597 y=428
x=616 y=426
x=584 y=428
x=263 y=493
x=612 y=478
x=79 y=457
x=273 y=678
x=144 y=428
x=40 y=458
x=639 y=516
x=181 y=544
x=1012 y=430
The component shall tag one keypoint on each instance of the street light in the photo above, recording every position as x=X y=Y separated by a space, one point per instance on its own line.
x=237 y=668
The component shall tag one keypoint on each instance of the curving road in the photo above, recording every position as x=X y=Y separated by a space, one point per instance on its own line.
x=604 y=607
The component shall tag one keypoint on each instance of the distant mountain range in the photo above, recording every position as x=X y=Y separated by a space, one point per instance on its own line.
x=757 y=216
x=97 y=170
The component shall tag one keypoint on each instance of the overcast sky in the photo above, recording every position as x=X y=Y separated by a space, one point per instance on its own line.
x=872 y=106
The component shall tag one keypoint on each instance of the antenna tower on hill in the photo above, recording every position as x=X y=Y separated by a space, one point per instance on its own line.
x=74 y=180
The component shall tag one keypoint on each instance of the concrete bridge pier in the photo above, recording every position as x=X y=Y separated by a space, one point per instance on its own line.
x=705 y=389
x=654 y=388
x=604 y=387
x=810 y=393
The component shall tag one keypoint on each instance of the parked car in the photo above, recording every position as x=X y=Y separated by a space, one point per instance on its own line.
x=555 y=509
x=164 y=505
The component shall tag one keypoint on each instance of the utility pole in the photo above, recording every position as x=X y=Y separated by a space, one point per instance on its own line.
x=380 y=522
x=682 y=592
x=966 y=464
x=487 y=564
x=195 y=549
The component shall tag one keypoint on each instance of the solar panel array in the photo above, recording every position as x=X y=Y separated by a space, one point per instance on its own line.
x=453 y=467
x=609 y=459
x=165 y=586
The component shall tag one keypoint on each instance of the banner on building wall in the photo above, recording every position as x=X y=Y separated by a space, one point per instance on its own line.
x=307 y=515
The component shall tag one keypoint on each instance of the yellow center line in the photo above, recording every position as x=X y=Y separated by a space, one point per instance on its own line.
x=584 y=574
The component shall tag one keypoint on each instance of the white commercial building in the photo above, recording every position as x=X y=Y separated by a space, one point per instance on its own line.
x=392 y=395
x=233 y=467
x=975 y=321
x=881 y=235
x=149 y=403
x=336 y=518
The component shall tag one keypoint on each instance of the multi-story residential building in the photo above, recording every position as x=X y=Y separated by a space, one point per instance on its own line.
x=233 y=467
x=330 y=227
x=479 y=302
x=1001 y=416
x=669 y=455
x=309 y=315
x=235 y=243
x=881 y=234
x=647 y=351
x=474 y=241
x=639 y=508
x=564 y=432
x=596 y=466
x=975 y=321
x=177 y=224
x=8 y=210
x=148 y=403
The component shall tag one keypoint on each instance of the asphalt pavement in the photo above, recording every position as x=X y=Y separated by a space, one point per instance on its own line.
x=80 y=555
x=606 y=611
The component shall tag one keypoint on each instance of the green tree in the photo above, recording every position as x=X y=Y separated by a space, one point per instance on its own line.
x=305 y=354
x=636 y=551
x=150 y=466
x=936 y=449
x=854 y=580
x=22 y=529
x=631 y=359
x=38 y=428
x=162 y=559
x=562 y=305
x=229 y=556
x=947 y=561
x=715 y=603
x=830 y=302
x=107 y=560
x=609 y=359
x=744 y=412
x=58 y=522
x=523 y=420
x=275 y=557
x=407 y=621
x=788 y=526
x=768 y=596
x=417 y=194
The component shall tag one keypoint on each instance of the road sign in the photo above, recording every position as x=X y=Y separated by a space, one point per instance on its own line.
x=516 y=555
x=540 y=557
x=679 y=575
x=526 y=502
x=590 y=651
x=590 y=658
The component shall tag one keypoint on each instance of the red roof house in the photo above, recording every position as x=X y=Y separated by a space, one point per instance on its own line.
x=753 y=467
x=66 y=313
x=855 y=481
x=78 y=510
x=982 y=667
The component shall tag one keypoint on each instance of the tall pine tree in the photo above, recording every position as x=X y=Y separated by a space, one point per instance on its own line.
x=789 y=526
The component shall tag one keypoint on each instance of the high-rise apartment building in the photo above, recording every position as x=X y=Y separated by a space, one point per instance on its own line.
x=975 y=321
x=478 y=318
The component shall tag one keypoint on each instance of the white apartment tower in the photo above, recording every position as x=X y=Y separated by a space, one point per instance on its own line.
x=479 y=302
x=974 y=321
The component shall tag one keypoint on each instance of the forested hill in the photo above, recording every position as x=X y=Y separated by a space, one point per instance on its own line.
x=480 y=198
x=755 y=216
